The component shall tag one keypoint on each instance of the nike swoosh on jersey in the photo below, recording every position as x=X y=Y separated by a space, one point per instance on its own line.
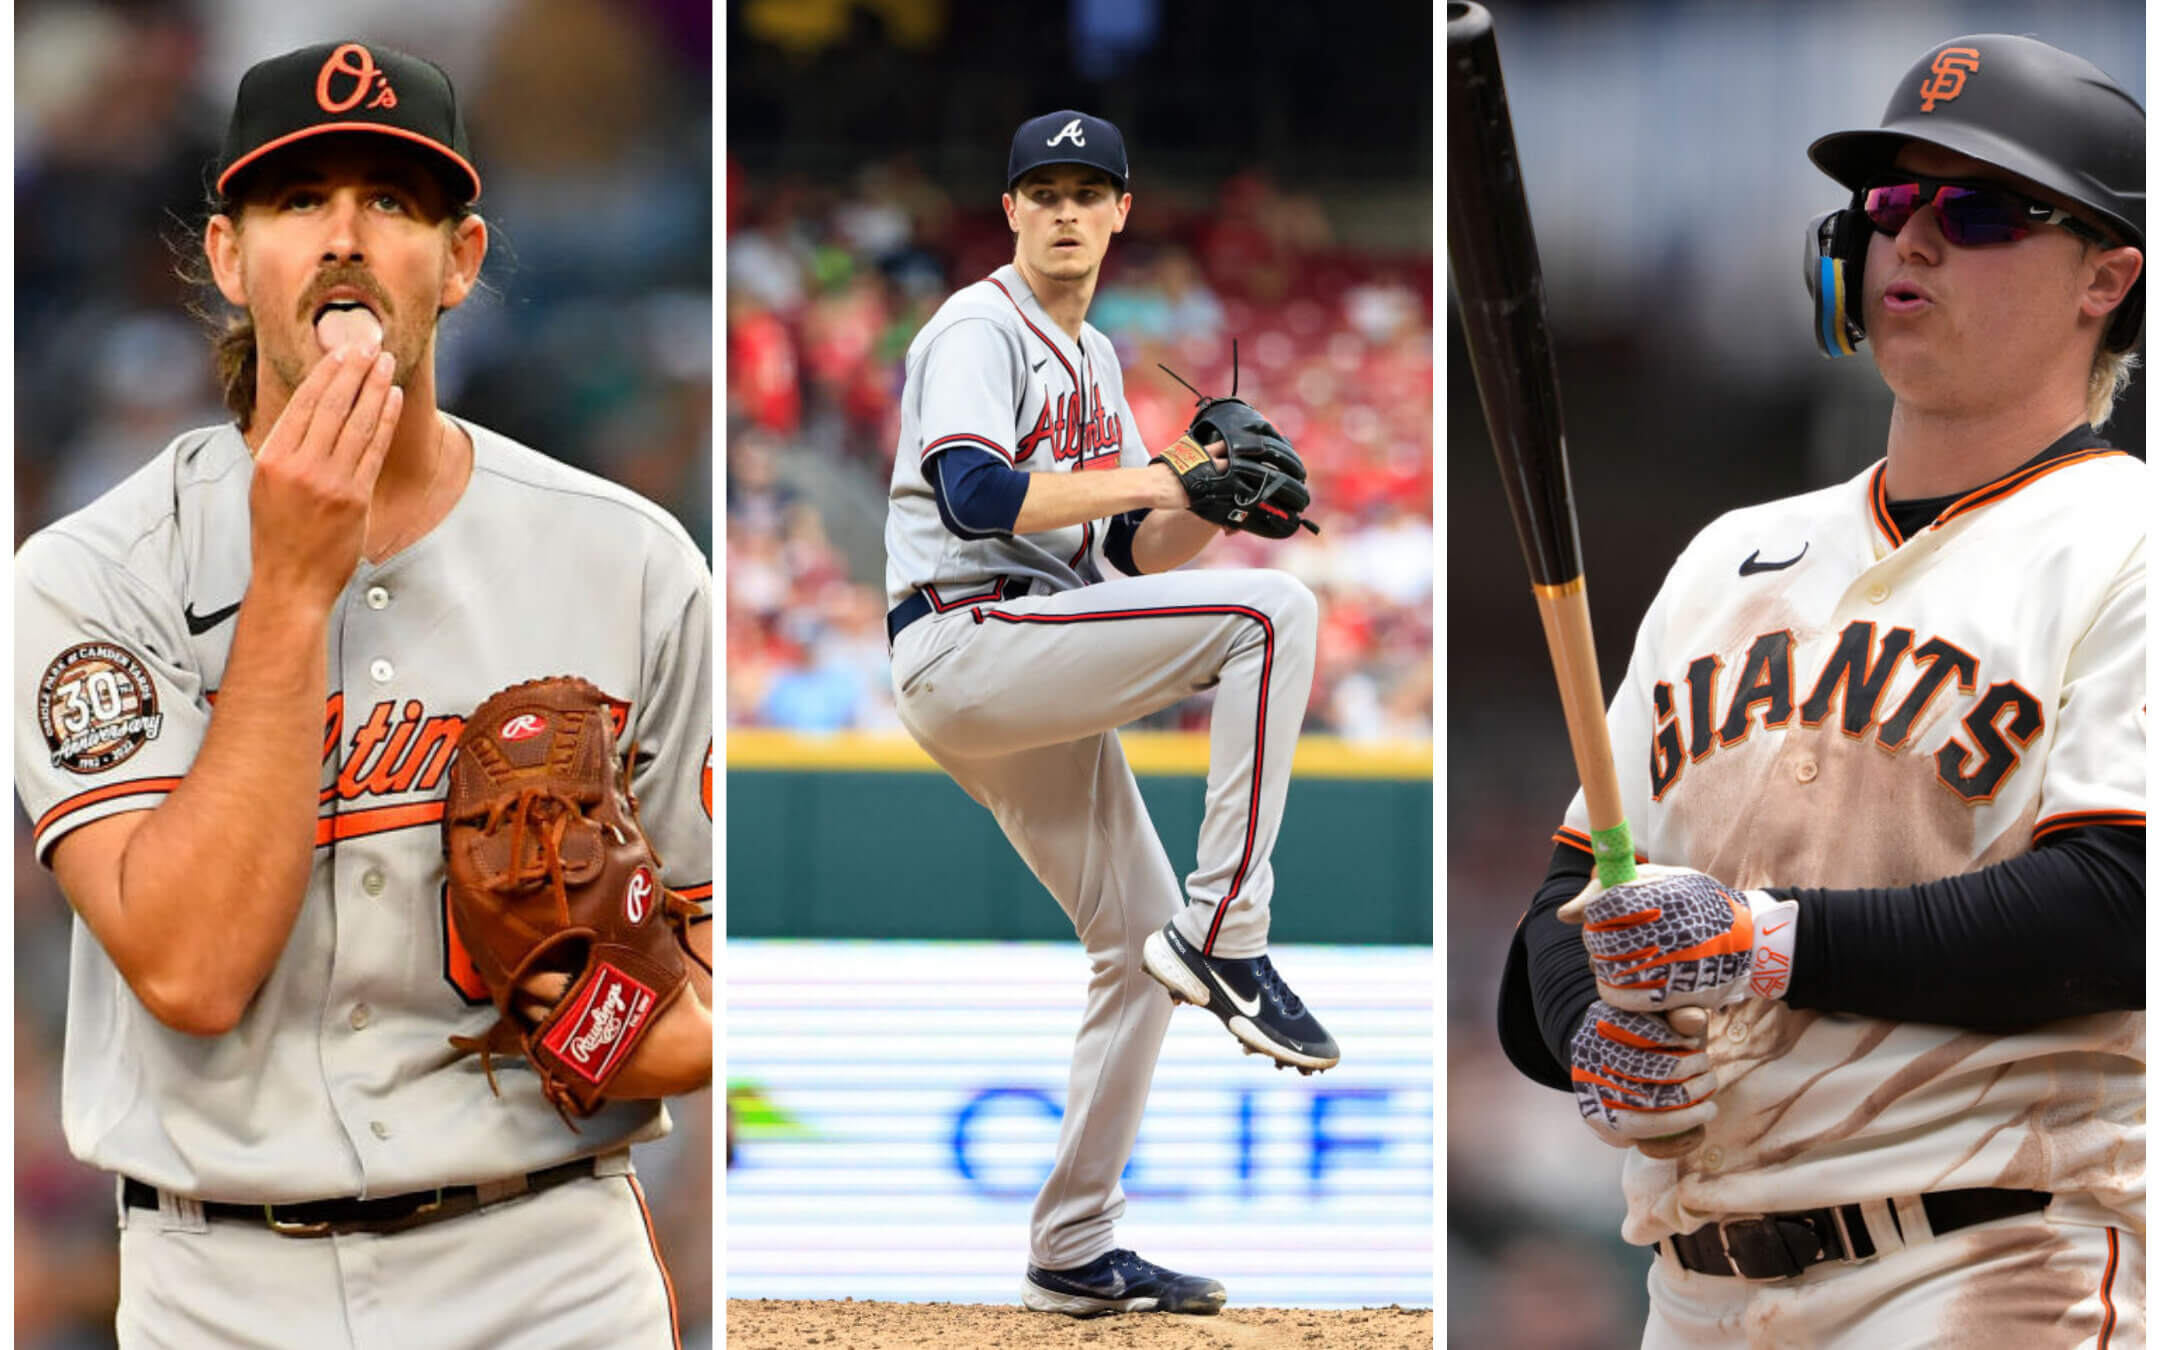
x=199 y=624
x=1038 y=365
x=1752 y=565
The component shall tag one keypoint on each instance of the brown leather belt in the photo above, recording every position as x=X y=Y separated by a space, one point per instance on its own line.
x=389 y=1214
x=1780 y=1246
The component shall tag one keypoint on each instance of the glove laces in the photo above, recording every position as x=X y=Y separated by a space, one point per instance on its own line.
x=529 y=811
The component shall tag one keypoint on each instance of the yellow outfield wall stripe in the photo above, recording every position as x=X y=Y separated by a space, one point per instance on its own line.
x=1151 y=752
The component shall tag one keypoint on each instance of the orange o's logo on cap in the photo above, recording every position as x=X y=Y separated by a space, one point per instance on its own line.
x=1948 y=81
x=358 y=63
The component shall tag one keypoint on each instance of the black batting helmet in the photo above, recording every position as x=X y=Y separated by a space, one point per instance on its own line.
x=2024 y=106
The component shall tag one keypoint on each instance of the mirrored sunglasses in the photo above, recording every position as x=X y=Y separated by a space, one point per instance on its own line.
x=1970 y=214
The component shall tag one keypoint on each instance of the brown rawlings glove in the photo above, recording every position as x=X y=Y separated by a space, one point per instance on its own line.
x=550 y=871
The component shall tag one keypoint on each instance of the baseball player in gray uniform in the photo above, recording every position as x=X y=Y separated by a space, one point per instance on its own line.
x=240 y=675
x=1875 y=1020
x=1029 y=547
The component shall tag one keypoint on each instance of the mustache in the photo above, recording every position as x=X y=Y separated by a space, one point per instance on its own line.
x=349 y=275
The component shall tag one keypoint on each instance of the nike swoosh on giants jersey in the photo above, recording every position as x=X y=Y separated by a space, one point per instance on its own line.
x=1750 y=567
x=199 y=624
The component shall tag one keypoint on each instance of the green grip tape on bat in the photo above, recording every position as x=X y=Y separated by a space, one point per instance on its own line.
x=1614 y=850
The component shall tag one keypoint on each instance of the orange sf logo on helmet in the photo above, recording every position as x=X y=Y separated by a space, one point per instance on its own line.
x=1949 y=69
x=356 y=61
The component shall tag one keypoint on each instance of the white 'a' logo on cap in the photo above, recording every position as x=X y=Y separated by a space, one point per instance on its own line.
x=1071 y=129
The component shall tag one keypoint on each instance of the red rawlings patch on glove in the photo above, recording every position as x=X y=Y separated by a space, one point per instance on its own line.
x=594 y=1033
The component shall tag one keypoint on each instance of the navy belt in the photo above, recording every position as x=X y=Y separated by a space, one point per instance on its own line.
x=903 y=614
x=920 y=603
x=1780 y=1246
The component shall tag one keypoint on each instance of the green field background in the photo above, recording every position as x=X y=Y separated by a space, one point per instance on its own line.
x=839 y=839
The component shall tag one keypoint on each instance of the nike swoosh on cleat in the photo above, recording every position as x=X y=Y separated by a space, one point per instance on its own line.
x=199 y=624
x=1752 y=565
x=1251 y=1009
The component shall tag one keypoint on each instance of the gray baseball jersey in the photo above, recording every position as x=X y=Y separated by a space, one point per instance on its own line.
x=339 y=1079
x=1033 y=650
x=991 y=371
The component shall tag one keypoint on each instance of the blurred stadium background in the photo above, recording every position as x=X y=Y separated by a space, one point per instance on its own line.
x=895 y=1065
x=1664 y=153
x=591 y=121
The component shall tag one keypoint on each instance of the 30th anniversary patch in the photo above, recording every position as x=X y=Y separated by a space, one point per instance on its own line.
x=96 y=706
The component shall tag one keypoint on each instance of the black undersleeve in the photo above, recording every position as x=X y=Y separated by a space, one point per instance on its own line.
x=2057 y=932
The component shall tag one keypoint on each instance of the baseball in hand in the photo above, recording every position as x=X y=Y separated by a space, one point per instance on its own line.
x=355 y=328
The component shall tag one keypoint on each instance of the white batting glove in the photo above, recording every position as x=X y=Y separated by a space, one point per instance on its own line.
x=1678 y=938
x=1637 y=1078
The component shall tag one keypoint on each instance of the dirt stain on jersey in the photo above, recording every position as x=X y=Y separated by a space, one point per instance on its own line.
x=2027 y=1286
x=2069 y=1141
x=1773 y=1034
x=1910 y=1077
x=1827 y=810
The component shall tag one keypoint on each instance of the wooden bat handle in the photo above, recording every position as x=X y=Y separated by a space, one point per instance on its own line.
x=1565 y=611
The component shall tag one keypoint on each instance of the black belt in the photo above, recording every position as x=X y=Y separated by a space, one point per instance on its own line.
x=391 y=1213
x=1779 y=1246
x=919 y=604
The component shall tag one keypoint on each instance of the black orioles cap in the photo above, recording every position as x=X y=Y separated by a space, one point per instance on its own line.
x=346 y=87
x=1066 y=137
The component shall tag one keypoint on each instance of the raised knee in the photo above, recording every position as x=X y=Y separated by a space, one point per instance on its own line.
x=1291 y=603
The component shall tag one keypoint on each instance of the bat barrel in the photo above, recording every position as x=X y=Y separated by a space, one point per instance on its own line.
x=1500 y=294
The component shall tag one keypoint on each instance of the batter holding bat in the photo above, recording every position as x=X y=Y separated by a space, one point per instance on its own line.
x=1029 y=556
x=1882 y=746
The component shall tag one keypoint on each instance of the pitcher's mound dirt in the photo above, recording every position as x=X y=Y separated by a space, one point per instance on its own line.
x=782 y=1324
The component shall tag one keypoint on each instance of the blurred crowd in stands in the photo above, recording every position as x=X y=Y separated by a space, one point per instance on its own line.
x=829 y=281
x=591 y=123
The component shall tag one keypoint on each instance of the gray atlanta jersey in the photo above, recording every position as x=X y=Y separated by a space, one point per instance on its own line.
x=339 y=1079
x=991 y=371
x=1882 y=711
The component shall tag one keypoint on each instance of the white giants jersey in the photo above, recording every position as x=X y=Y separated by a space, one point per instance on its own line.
x=991 y=371
x=1816 y=701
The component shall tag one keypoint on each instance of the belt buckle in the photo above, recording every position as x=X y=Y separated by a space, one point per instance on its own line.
x=293 y=1227
x=318 y=1228
x=1783 y=1264
x=1725 y=1249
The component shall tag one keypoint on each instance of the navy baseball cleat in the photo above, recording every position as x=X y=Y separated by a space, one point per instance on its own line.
x=1247 y=994
x=1120 y=1281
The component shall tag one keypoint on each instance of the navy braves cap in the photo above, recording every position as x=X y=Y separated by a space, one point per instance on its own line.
x=343 y=87
x=1066 y=137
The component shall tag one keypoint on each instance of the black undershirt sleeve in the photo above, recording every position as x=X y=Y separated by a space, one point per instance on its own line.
x=2057 y=932
x=1547 y=984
